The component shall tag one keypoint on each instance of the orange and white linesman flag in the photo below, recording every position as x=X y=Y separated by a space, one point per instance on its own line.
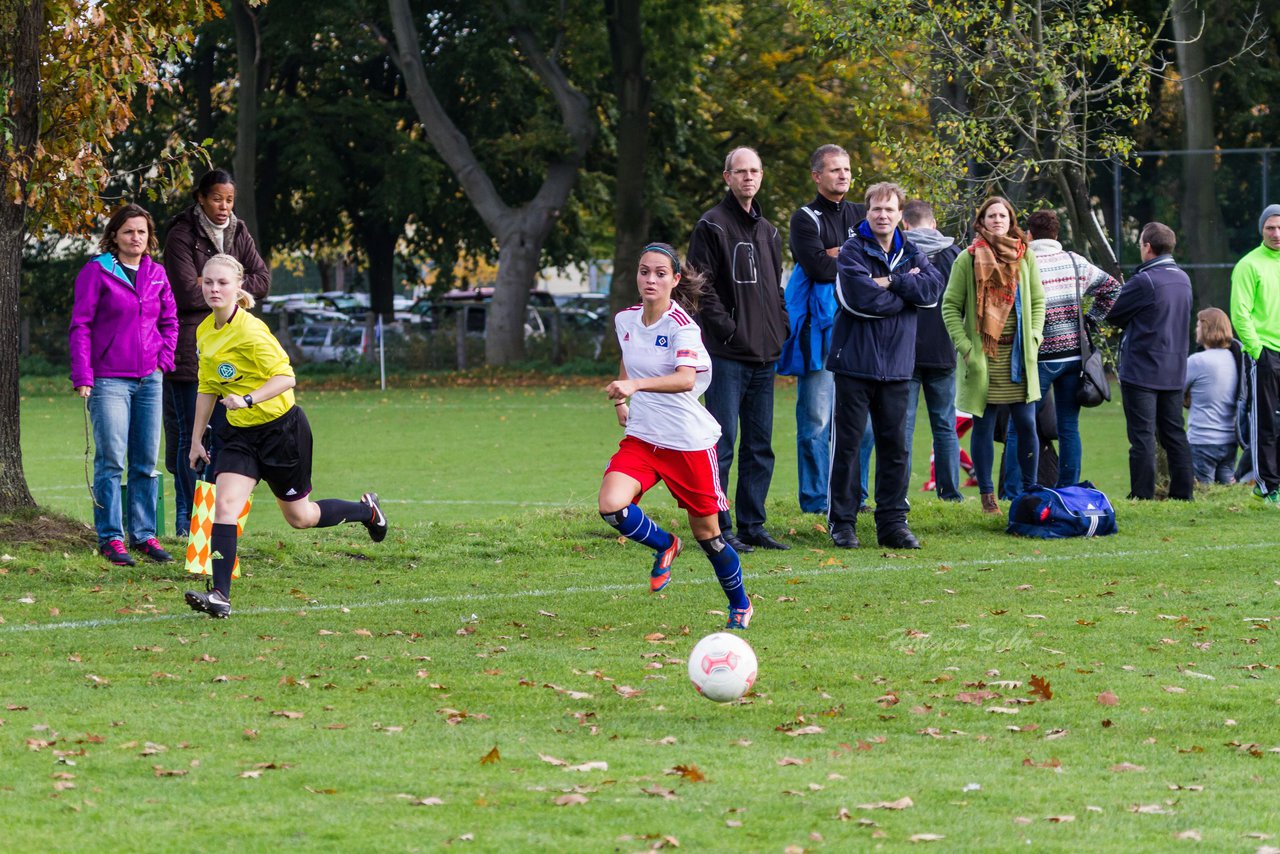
x=202 y=529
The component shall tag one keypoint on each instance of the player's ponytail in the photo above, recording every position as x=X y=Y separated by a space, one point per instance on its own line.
x=244 y=299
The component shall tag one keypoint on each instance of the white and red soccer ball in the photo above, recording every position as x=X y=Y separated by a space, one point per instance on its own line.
x=722 y=667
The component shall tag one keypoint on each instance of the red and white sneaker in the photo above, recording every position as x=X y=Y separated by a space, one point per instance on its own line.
x=740 y=618
x=660 y=575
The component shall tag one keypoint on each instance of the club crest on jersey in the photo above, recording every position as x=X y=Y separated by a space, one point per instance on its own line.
x=662 y=341
x=226 y=370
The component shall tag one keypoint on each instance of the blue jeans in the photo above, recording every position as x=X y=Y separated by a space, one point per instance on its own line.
x=864 y=459
x=1022 y=420
x=939 y=386
x=126 y=415
x=1065 y=379
x=741 y=394
x=1214 y=463
x=815 y=395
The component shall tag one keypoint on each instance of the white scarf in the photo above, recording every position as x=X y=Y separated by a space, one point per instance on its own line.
x=217 y=233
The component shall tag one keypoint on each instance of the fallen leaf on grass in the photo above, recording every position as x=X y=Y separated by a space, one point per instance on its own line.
x=976 y=698
x=321 y=791
x=1193 y=835
x=1001 y=710
x=808 y=730
x=491 y=757
x=927 y=837
x=1174 y=689
x=596 y=765
x=1126 y=766
x=1051 y=762
x=1107 y=698
x=688 y=772
x=1060 y=819
x=658 y=792
x=900 y=804
x=282 y=713
x=571 y=799
x=1040 y=688
x=1150 y=809
x=791 y=760
x=160 y=771
x=426 y=802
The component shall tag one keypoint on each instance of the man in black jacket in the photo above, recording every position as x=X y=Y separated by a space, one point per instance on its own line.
x=1154 y=309
x=744 y=322
x=882 y=279
x=935 y=357
x=818 y=230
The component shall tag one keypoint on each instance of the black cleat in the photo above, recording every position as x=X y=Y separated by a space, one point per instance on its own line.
x=377 y=524
x=212 y=603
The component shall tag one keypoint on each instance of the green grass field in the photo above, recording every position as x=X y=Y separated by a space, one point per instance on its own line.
x=353 y=698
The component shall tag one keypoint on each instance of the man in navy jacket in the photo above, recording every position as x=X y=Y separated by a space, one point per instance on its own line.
x=1154 y=309
x=881 y=280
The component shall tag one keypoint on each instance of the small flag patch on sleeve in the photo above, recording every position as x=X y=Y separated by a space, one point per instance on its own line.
x=686 y=354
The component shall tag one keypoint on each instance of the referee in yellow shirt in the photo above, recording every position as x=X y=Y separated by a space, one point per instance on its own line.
x=267 y=436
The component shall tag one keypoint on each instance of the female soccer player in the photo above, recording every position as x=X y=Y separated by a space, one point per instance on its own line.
x=266 y=437
x=669 y=435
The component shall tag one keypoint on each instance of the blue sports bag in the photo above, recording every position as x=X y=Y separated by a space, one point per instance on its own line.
x=1072 y=511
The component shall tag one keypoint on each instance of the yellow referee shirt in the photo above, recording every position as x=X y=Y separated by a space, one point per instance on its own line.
x=238 y=359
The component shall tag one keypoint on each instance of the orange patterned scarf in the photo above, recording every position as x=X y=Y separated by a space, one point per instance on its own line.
x=995 y=275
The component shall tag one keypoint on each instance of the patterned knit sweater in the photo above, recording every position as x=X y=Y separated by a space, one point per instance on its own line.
x=1061 y=329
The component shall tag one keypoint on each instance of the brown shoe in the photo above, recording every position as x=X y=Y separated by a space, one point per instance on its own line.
x=989 y=504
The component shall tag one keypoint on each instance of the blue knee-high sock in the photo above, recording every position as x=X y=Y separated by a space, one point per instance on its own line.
x=631 y=523
x=728 y=567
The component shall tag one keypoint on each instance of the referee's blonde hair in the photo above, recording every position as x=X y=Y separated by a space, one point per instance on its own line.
x=244 y=299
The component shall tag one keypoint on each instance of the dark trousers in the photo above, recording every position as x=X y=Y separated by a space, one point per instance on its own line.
x=179 y=418
x=887 y=404
x=741 y=396
x=1150 y=414
x=1263 y=376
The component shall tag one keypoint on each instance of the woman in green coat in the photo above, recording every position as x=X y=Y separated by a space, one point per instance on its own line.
x=994 y=312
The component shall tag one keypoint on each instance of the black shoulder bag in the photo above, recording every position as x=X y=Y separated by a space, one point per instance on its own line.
x=1094 y=388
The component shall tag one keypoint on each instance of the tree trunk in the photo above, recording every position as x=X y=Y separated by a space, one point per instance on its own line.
x=204 y=87
x=1084 y=225
x=248 y=44
x=379 y=239
x=20 y=50
x=632 y=88
x=519 y=232
x=1202 y=233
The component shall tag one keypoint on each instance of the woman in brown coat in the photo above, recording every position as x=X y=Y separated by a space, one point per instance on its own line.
x=207 y=228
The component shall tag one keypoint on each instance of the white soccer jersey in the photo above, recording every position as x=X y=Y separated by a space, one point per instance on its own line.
x=674 y=421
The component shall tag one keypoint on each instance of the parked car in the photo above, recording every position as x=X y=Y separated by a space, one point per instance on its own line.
x=339 y=342
x=475 y=303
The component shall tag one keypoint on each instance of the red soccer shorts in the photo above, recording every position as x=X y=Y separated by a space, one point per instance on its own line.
x=692 y=477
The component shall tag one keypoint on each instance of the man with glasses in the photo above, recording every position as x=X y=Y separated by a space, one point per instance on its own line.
x=744 y=322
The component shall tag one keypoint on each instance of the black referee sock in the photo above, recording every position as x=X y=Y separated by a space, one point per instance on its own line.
x=222 y=554
x=335 y=511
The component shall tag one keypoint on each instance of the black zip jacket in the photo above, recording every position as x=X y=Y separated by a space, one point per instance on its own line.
x=743 y=315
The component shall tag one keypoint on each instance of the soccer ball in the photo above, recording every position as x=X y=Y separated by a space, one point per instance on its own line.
x=722 y=667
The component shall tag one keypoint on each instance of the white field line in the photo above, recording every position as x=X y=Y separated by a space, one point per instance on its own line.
x=514 y=502
x=495 y=596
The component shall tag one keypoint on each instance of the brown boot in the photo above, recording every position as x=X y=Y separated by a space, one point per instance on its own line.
x=989 y=503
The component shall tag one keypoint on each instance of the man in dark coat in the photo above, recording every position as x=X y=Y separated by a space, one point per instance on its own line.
x=882 y=280
x=744 y=322
x=1154 y=310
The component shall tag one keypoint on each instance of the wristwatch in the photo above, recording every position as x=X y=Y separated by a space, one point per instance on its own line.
x=248 y=401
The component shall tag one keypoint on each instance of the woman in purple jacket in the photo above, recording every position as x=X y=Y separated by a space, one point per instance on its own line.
x=124 y=327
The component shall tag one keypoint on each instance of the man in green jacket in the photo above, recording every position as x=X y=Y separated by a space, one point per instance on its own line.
x=1255 y=314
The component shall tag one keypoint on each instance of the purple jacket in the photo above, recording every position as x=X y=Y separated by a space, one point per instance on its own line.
x=118 y=330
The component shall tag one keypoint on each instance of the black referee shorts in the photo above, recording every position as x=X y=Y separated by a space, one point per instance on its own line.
x=278 y=452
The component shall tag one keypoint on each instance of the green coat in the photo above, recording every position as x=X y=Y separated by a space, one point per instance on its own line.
x=959 y=313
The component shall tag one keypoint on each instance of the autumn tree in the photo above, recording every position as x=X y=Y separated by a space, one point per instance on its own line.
x=1018 y=90
x=68 y=73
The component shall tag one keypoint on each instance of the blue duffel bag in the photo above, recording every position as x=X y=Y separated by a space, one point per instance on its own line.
x=1071 y=511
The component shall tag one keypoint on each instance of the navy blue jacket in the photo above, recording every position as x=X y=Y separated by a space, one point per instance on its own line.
x=875 y=331
x=1154 y=309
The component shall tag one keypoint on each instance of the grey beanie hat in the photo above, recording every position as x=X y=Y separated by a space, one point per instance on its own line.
x=1267 y=213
